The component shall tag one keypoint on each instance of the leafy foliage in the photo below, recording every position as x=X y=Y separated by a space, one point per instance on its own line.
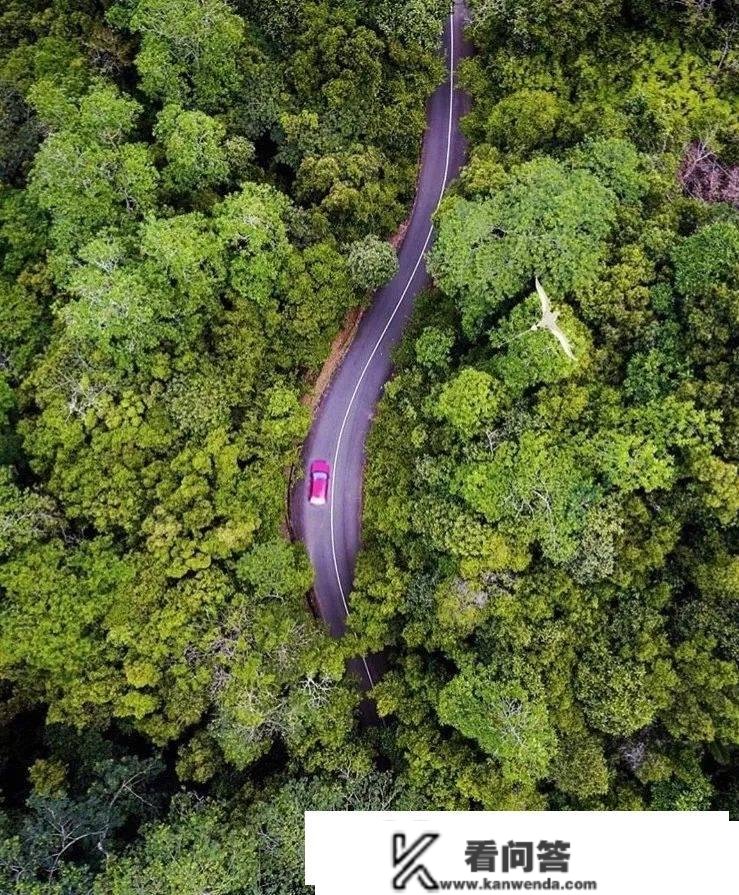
x=539 y=528
x=193 y=195
x=371 y=262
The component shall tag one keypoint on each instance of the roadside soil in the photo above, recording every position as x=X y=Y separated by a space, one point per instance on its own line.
x=345 y=337
x=339 y=347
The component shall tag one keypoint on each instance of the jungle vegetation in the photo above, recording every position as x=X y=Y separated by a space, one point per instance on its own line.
x=551 y=541
x=193 y=194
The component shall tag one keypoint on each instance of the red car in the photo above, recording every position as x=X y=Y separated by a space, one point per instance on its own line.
x=319 y=473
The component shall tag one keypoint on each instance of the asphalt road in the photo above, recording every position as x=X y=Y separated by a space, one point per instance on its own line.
x=332 y=533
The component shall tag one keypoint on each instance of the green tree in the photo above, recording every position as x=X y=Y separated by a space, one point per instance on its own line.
x=706 y=258
x=199 y=847
x=549 y=221
x=416 y=22
x=469 y=400
x=189 y=51
x=65 y=834
x=551 y=24
x=433 y=347
x=87 y=175
x=504 y=720
x=372 y=262
x=193 y=144
x=525 y=120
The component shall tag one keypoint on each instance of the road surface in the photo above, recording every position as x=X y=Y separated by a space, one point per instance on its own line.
x=331 y=533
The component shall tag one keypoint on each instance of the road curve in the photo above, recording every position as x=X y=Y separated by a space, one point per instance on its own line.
x=332 y=533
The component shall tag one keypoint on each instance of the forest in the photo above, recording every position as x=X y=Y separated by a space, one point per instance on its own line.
x=550 y=525
x=193 y=195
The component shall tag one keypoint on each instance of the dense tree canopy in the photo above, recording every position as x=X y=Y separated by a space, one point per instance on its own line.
x=539 y=527
x=192 y=198
x=193 y=195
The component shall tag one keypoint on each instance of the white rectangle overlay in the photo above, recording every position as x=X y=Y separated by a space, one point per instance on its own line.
x=609 y=852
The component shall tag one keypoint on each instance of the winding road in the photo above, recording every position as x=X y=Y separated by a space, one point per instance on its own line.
x=331 y=533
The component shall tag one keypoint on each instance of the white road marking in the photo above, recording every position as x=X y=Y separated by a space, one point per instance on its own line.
x=452 y=64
